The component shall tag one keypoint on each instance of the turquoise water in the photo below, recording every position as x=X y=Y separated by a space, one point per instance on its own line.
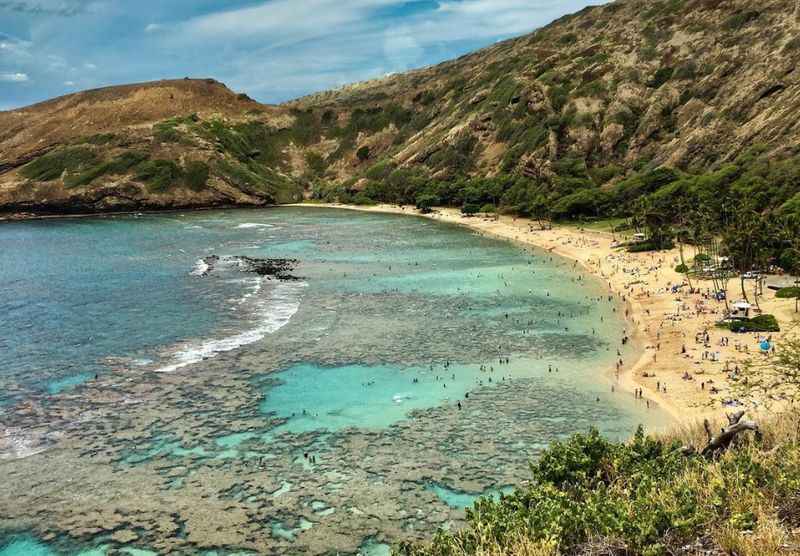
x=314 y=398
x=28 y=546
x=457 y=499
x=25 y=547
x=78 y=292
x=410 y=364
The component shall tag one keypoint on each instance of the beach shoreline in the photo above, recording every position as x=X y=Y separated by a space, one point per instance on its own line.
x=665 y=353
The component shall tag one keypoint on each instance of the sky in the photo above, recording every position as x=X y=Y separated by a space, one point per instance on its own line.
x=274 y=50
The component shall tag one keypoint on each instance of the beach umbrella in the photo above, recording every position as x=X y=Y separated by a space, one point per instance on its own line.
x=765 y=345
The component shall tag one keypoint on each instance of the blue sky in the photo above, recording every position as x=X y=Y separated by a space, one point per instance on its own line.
x=274 y=50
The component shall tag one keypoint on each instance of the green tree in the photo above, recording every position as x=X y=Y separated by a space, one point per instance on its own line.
x=745 y=242
x=425 y=202
x=790 y=262
x=363 y=153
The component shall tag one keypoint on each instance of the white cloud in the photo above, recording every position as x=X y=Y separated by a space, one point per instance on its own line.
x=402 y=48
x=272 y=49
x=14 y=77
x=13 y=48
x=488 y=19
x=45 y=7
x=284 y=19
x=272 y=53
x=55 y=63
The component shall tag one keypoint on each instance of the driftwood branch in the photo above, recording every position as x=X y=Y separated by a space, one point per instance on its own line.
x=734 y=418
x=722 y=441
x=707 y=426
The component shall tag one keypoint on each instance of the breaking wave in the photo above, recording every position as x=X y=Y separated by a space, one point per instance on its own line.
x=201 y=268
x=251 y=225
x=273 y=305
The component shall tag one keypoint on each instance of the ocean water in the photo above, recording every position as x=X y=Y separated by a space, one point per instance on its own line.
x=408 y=369
x=80 y=297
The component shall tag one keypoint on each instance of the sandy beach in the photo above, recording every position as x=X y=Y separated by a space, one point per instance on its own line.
x=685 y=364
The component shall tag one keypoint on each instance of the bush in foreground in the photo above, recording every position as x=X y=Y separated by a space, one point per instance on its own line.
x=592 y=496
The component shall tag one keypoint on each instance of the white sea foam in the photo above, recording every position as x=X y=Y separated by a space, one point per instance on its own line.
x=16 y=444
x=254 y=290
x=251 y=225
x=274 y=309
x=142 y=362
x=400 y=398
x=201 y=268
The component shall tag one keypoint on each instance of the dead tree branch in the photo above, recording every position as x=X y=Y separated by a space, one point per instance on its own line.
x=722 y=441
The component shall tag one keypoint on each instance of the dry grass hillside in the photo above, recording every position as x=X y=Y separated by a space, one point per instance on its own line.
x=67 y=118
x=635 y=84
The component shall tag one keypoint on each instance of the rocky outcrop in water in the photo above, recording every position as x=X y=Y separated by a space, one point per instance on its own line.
x=279 y=269
x=271 y=268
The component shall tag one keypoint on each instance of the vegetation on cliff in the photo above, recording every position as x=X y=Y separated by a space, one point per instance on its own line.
x=588 y=495
x=566 y=118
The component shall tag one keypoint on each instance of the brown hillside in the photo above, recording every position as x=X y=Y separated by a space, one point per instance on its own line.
x=689 y=84
x=64 y=119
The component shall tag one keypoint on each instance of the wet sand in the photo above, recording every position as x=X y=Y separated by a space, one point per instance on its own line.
x=689 y=386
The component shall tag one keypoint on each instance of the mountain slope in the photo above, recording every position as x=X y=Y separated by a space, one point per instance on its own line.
x=636 y=84
x=117 y=148
x=677 y=82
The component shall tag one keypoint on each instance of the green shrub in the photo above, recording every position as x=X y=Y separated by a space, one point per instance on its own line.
x=120 y=165
x=363 y=153
x=681 y=269
x=586 y=489
x=196 y=175
x=559 y=95
x=661 y=76
x=739 y=20
x=316 y=163
x=568 y=38
x=788 y=293
x=687 y=70
x=604 y=174
x=52 y=165
x=249 y=141
x=362 y=199
x=425 y=202
x=126 y=161
x=488 y=209
x=470 y=208
x=645 y=497
x=159 y=175
x=100 y=139
x=167 y=134
x=792 y=45
x=648 y=52
x=761 y=323
x=381 y=170
x=256 y=179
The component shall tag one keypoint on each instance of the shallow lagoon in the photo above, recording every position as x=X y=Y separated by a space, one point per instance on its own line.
x=332 y=431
